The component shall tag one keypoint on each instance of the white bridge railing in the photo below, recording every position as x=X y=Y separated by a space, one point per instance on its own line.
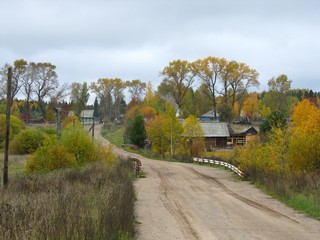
x=220 y=163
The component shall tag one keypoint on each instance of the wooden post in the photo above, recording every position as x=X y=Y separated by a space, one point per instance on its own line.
x=6 y=151
x=93 y=130
x=59 y=127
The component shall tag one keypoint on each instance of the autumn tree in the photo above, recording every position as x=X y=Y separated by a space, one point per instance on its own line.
x=302 y=113
x=264 y=111
x=274 y=120
x=242 y=78
x=59 y=95
x=103 y=89
x=152 y=99
x=159 y=143
x=304 y=148
x=227 y=69
x=202 y=101
x=178 y=78
x=118 y=96
x=136 y=89
x=209 y=70
x=148 y=112
x=277 y=96
x=18 y=72
x=251 y=106
x=193 y=136
x=46 y=82
x=164 y=131
x=110 y=94
x=28 y=86
x=79 y=96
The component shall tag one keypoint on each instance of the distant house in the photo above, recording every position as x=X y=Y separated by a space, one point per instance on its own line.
x=215 y=134
x=240 y=135
x=209 y=116
x=86 y=116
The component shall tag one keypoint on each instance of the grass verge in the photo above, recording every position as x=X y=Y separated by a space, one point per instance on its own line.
x=95 y=202
x=307 y=202
x=115 y=136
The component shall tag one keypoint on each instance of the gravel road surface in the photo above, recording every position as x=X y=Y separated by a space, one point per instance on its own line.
x=191 y=201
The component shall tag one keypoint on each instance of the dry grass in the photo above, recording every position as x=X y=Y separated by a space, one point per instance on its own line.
x=220 y=155
x=96 y=202
x=16 y=163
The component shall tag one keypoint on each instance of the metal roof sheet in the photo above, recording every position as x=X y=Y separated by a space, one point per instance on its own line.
x=215 y=129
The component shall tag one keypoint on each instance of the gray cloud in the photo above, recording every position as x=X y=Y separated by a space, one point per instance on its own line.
x=89 y=39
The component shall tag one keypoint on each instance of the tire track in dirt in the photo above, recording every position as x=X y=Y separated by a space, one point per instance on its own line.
x=239 y=197
x=174 y=206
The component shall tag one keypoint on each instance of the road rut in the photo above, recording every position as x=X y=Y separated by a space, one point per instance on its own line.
x=191 y=201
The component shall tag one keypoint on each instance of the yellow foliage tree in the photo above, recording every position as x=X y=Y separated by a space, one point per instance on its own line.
x=193 y=136
x=304 y=148
x=251 y=106
x=265 y=111
x=164 y=131
x=303 y=112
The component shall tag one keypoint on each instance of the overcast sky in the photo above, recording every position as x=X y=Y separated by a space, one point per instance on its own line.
x=91 y=39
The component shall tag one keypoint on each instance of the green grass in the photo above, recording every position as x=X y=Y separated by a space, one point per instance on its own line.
x=114 y=136
x=306 y=203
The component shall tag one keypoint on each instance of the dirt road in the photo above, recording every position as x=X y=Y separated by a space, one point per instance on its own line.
x=190 y=201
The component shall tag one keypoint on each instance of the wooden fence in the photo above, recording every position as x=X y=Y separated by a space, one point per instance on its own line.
x=220 y=163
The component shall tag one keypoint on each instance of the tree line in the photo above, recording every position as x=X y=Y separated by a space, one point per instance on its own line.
x=209 y=84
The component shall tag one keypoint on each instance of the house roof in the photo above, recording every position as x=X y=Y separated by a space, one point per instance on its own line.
x=243 y=129
x=250 y=130
x=215 y=129
x=86 y=114
x=209 y=114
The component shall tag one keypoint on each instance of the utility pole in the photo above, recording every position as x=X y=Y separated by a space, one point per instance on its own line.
x=171 y=147
x=6 y=151
x=93 y=130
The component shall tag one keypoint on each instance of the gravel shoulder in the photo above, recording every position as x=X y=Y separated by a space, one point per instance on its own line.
x=191 y=201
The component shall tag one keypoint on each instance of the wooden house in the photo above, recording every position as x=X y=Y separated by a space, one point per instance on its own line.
x=240 y=135
x=86 y=116
x=215 y=134
x=209 y=116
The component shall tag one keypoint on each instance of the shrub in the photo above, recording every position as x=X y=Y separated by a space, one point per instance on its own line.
x=49 y=130
x=75 y=148
x=59 y=157
x=27 y=141
x=48 y=158
x=80 y=144
x=70 y=121
x=106 y=154
x=16 y=126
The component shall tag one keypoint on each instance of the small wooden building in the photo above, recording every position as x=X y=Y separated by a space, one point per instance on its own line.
x=215 y=134
x=209 y=116
x=86 y=116
x=240 y=136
